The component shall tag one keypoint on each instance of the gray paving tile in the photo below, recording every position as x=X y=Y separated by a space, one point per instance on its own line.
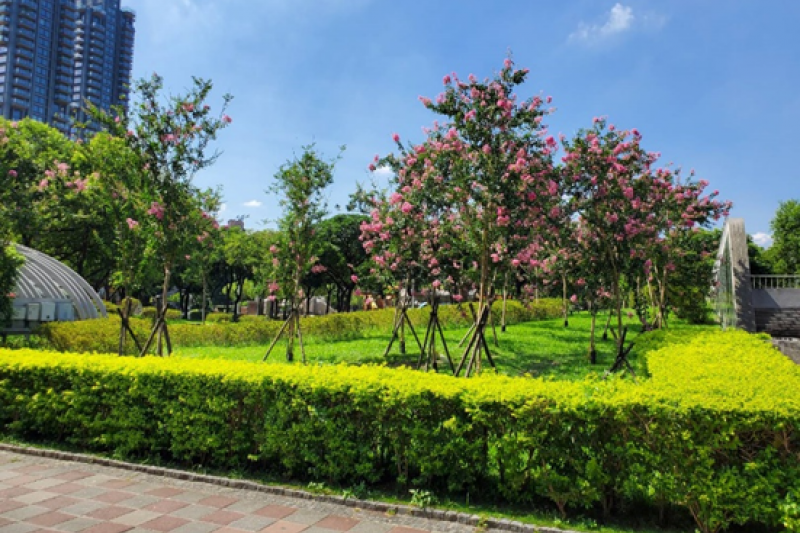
x=88 y=493
x=23 y=513
x=252 y=523
x=18 y=528
x=194 y=512
x=136 y=518
x=306 y=516
x=34 y=497
x=83 y=507
x=78 y=524
x=196 y=527
x=137 y=502
x=370 y=527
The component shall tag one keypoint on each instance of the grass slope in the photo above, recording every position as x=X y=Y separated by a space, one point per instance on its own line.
x=540 y=348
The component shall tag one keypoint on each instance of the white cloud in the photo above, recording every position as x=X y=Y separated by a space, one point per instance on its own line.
x=252 y=203
x=762 y=239
x=222 y=209
x=383 y=172
x=620 y=19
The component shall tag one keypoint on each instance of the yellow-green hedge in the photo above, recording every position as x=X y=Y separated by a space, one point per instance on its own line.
x=102 y=336
x=714 y=431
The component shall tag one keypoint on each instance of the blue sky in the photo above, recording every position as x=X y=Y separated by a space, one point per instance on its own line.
x=712 y=85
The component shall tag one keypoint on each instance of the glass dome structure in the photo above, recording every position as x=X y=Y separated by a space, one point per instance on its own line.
x=48 y=290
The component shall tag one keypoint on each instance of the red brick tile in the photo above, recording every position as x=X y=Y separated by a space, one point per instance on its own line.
x=107 y=527
x=50 y=519
x=73 y=475
x=218 y=501
x=165 y=492
x=20 y=480
x=165 y=506
x=110 y=513
x=338 y=523
x=31 y=469
x=164 y=523
x=285 y=527
x=114 y=496
x=10 y=505
x=222 y=517
x=404 y=529
x=14 y=492
x=59 y=502
x=66 y=488
x=275 y=511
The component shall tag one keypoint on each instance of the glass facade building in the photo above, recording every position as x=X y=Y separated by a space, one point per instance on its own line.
x=57 y=54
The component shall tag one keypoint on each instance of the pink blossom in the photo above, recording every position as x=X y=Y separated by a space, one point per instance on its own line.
x=457 y=297
x=156 y=210
x=406 y=207
x=628 y=193
x=486 y=149
x=436 y=284
x=573 y=298
x=131 y=223
x=354 y=278
x=470 y=114
x=12 y=173
x=371 y=167
x=188 y=257
x=396 y=137
x=43 y=184
x=188 y=107
x=446 y=80
x=273 y=249
x=226 y=119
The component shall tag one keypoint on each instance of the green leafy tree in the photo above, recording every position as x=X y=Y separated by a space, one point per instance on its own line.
x=300 y=184
x=341 y=255
x=785 y=249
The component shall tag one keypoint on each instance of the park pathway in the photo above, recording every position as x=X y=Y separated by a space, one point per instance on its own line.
x=41 y=494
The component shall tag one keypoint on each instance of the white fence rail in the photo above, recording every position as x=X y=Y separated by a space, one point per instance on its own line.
x=775 y=282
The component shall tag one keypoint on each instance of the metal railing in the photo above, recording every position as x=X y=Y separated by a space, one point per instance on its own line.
x=775 y=282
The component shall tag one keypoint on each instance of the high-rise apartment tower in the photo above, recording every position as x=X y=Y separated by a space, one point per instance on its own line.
x=57 y=54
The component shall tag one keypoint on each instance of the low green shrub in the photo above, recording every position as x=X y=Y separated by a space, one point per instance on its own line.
x=102 y=336
x=716 y=430
x=150 y=313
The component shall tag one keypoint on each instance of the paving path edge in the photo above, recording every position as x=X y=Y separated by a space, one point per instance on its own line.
x=501 y=524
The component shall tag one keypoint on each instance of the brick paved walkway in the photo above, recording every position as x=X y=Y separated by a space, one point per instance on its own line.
x=47 y=495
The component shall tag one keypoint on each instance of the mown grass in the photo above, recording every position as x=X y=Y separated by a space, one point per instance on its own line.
x=542 y=348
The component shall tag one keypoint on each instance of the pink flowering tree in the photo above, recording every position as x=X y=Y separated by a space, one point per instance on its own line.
x=300 y=184
x=627 y=208
x=484 y=171
x=170 y=140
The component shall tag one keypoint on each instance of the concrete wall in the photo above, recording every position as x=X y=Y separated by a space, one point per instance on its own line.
x=790 y=348
x=779 y=322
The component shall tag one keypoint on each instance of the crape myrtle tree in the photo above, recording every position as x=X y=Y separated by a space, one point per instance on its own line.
x=169 y=137
x=411 y=250
x=484 y=170
x=300 y=184
x=628 y=210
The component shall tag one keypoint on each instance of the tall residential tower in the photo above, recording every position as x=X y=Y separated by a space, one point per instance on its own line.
x=57 y=54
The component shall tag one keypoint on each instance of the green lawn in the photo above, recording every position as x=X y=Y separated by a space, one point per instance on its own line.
x=541 y=348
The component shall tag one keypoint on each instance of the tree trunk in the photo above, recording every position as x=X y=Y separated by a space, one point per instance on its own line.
x=592 y=348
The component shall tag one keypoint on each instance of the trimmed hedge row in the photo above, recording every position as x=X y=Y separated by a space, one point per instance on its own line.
x=715 y=430
x=102 y=336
